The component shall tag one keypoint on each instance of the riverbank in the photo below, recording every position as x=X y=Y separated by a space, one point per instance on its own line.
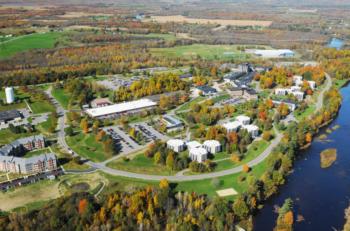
x=319 y=194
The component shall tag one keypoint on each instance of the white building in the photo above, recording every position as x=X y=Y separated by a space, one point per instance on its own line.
x=193 y=144
x=232 y=126
x=10 y=95
x=122 y=108
x=299 y=95
x=312 y=84
x=295 y=88
x=252 y=129
x=297 y=80
x=281 y=91
x=212 y=146
x=176 y=145
x=198 y=154
x=291 y=106
x=243 y=119
x=279 y=53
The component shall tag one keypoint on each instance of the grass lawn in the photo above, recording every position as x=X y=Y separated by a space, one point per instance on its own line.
x=42 y=107
x=339 y=83
x=6 y=136
x=140 y=164
x=254 y=150
x=28 y=42
x=221 y=98
x=229 y=181
x=209 y=52
x=188 y=105
x=308 y=111
x=86 y=146
x=66 y=161
x=61 y=97
x=37 y=152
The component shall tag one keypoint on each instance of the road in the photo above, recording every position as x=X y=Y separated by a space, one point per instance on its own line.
x=180 y=178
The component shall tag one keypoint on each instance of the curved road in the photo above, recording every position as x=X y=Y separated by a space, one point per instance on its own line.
x=177 y=178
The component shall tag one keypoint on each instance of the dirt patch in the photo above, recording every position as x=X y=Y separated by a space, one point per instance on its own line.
x=29 y=194
x=222 y=22
x=328 y=157
x=226 y=192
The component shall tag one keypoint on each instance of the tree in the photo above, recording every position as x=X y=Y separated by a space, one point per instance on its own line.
x=84 y=125
x=308 y=137
x=164 y=184
x=246 y=168
x=157 y=158
x=240 y=208
x=69 y=131
x=170 y=160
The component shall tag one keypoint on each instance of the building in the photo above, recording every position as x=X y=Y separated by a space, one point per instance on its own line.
x=176 y=145
x=205 y=90
x=23 y=145
x=279 y=53
x=125 y=108
x=198 y=154
x=281 y=91
x=297 y=80
x=291 y=105
x=252 y=129
x=250 y=94
x=245 y=120
x=312 y=84
x=298 y=94
x=35 y=164
x=212 y=146
x=232 y=126
x=101 y=102
x=172 y=123
x=10 y=95
x=193 y=144
x=11 y=115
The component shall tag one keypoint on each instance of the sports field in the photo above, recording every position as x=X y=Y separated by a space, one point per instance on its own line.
x=209 y=52
x=28 y=42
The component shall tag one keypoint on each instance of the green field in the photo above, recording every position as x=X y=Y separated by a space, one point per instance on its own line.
x=308 y=111
x=61 y=97
x=42 y=107
x=28 y=42
x=86 y=146
x=166 y=37
x=209 y=52
x=6 y=136
x=37 y=152
x=140 y=164
x=188 y=105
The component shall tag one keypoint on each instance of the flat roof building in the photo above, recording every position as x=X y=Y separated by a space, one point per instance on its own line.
x=193 y=144
x=176 y=145
x=6 y=116
x=243 y=119
x=212 y=146
x=206 y=90
x=252 y=129
x=172 y=123
x=232 y=126
x=198 y=154
x=122 y=108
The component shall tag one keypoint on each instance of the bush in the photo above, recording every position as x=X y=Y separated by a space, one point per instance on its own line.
x=216 y=183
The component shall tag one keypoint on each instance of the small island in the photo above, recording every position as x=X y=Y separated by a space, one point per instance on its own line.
x=328 y=157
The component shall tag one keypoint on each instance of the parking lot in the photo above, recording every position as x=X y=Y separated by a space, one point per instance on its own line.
x=149 y=132
x=123 y=141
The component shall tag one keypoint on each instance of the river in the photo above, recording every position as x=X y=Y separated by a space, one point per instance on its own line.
x=319 y=195
x=336 y=43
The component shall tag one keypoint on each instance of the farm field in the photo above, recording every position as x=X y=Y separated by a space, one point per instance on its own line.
x=28 y=42
x=209 y=52
x=222 y=22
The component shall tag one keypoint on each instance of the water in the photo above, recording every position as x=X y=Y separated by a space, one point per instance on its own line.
x=336 y=43
x=319 y=195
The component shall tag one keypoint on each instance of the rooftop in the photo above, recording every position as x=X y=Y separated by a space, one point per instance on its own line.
x=175 y=142
x=121 y=107
x=9 y=115
x=211 y=143
x=206 y=88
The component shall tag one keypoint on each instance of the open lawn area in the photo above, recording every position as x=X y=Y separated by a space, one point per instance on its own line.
x=42 y=107
x=86 y=146
x=6 y=136
x=140 y=164
x=209 y=52
x=61 y=97
x=188 y=105
x=238 y=182
x=307 y=112
x=37 y=152
x=29 y=42
x=224 y=162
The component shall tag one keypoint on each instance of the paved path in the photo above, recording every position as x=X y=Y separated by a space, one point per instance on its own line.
x=328 y=85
